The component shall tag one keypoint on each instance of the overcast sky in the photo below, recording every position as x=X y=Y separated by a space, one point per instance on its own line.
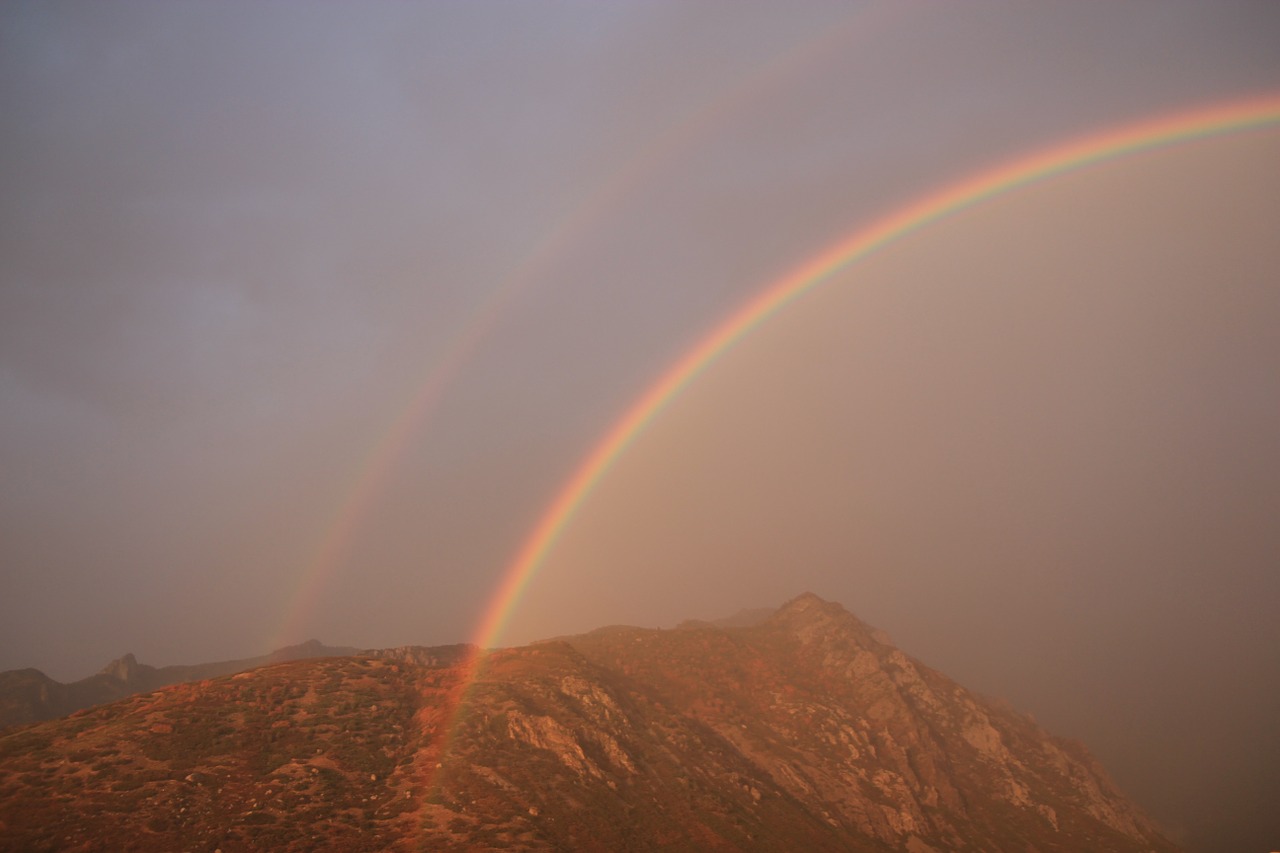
x=308 y=310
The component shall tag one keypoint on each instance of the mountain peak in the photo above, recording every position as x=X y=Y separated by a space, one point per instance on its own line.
x=812 y=610
x=124 y=668
x=310 y=648
x=807 y=601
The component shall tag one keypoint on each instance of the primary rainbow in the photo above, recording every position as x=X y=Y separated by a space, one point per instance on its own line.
x=1254 y=113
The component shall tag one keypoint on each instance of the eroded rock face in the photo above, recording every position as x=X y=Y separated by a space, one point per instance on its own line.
x=543 y=732
x=123 y=669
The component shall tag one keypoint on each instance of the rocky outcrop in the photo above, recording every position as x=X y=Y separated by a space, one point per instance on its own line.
x=127 y=670
x=427 y=655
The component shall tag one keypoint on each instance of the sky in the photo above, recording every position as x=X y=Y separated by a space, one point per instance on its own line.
x=309 y=312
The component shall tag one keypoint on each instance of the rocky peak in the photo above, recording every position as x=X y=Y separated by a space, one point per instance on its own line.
x=806 y=602
x=125 y=669
x=812 y=618
x=810 y=608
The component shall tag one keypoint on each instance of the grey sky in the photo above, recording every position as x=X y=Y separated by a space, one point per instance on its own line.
x=236 y=239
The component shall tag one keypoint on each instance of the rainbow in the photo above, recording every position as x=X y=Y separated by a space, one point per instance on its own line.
x=378 y=465
x=1250 y=114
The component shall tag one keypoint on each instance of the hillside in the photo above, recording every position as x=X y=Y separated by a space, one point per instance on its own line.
x=801 y=731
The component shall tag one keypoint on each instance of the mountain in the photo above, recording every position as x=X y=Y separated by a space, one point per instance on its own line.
x=804 y=730
x=28 y=695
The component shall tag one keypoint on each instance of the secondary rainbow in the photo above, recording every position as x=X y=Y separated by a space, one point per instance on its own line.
x=377 y=467
x=1250 y=114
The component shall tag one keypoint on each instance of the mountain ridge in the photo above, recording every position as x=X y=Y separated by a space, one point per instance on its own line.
x=803 y=731
x=28 y=695
x=893 y=689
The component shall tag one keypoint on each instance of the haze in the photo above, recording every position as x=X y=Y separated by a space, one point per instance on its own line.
x=307 y=312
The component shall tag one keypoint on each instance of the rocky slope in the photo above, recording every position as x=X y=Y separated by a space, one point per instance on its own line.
x=802 y=731
x=870 y=739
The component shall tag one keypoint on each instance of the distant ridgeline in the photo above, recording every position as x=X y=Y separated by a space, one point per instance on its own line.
x=797 y=729
x=28 y=695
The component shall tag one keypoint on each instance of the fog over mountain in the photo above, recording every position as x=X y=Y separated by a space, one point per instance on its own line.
x=308 y=314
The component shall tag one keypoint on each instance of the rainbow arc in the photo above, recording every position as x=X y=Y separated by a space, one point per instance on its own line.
x=1204 y=122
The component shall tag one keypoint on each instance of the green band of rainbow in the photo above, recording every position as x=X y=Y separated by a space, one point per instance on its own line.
x=1253 y=113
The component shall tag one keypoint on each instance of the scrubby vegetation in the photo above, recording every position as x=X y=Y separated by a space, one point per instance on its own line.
x=300 y=755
